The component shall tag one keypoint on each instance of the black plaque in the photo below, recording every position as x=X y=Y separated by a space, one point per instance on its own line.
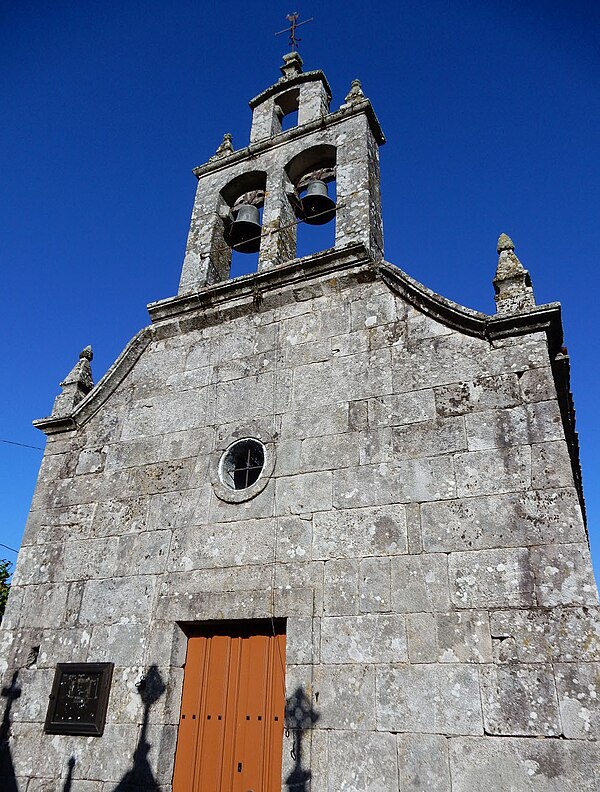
x=79 y=698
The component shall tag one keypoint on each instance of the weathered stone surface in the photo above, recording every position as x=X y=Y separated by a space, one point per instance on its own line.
x=375 y=446
x=108 y=600
x=400 y=482
x=371 y=638
x=420 y=583
x=423 y=764
x=483 y=393
x=341 y=587
x=362 y=761
x=564 y=575
x=116 y=517
x=220 y=545
x=310 y=423
x=429 y=699
x=339 y=452
x=491 y=578
x=43 y=604
x=374 y=585
x=379 y=530
x=121 y=644
x=378 y=309
x=524 y=765
x=493 y=471
x=510 y=520
x=306 y=493
x=421 y=326
x=430 y=438
x=537 y=384
x=346 y=696
x=543 y=635
x=404 y=408
x=463 y=637
x=160 y=413
x=520 y=700
x=420 y=633
x=41 y=564
x=578 y=687
x=551 y=466
x=531 y=423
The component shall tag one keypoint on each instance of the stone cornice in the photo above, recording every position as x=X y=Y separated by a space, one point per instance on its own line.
x=283 y=138
x=103 y=389
x=249 y=286
x=211 y=304
x=285 y=83
x=541 y=318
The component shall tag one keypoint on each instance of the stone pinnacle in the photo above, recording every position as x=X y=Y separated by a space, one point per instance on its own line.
x=505 y=243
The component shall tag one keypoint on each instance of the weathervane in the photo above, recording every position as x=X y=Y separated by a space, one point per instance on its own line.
x=293 y=20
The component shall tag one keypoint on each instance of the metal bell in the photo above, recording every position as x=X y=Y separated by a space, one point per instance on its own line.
x=244 y=234
x=317 y=207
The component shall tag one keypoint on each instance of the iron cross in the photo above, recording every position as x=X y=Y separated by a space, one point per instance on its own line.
x=293 y=20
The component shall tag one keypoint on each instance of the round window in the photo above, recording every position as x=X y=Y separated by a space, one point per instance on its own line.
x=242 y=464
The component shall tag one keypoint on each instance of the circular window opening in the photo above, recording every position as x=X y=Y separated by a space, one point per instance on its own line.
x=242 y=464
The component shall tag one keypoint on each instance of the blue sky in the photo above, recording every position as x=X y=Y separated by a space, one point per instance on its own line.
x=491 y=113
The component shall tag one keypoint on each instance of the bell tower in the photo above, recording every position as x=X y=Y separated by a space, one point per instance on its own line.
x=287 y=177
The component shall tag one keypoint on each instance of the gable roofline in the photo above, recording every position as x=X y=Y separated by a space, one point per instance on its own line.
x=245 y=294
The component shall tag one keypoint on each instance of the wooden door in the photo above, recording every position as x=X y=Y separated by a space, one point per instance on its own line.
x=230 y=736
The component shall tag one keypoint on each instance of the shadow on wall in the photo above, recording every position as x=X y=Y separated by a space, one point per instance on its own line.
x=69 y=779
x=11 y=693
x=300 y=717
x=140 y=777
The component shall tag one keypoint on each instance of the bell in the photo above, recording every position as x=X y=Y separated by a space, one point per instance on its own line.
x=244 y=234
x=317 y=207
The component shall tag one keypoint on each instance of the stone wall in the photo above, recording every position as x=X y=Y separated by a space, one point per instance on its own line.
x=421 y=533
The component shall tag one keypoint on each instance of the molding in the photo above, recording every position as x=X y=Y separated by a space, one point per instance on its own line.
x=254 y=149
x=246 y=294
x=541 y=318
x=253 y=286
x=103 y=389
x=287 y=83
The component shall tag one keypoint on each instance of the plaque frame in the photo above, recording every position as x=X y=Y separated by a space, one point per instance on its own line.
x=92 y=726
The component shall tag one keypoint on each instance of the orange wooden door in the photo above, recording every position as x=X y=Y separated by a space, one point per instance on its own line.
x=230 y=735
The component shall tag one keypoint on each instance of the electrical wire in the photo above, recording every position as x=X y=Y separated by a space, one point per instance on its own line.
x=23 y=445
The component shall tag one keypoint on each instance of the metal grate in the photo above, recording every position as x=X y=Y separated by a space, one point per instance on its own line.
x=243 y=464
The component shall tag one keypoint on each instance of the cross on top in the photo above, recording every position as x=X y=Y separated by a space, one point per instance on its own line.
x=293 y=20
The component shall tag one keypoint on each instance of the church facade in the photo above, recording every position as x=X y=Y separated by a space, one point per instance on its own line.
x=317 y=528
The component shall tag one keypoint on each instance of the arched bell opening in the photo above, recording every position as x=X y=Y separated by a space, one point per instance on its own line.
x=318 y=231
x=313 y=175
x=244 y=199
x=286 y=110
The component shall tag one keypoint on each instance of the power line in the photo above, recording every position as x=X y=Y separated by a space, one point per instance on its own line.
x=23 y=445
x=9 y=548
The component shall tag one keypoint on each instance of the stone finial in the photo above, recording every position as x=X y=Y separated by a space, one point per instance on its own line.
x=504 y=243
x=512 y=284
x=76 y=385
x=225 y=148
x=292 y=65
x=355 y=94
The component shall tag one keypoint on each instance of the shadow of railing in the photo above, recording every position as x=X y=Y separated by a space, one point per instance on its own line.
x=8 y=781
x=300 y=717
x=140 y=777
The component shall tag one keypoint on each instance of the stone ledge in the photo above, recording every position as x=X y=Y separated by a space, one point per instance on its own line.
x=251 y=287
x=284 y=138
x=283 y=85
